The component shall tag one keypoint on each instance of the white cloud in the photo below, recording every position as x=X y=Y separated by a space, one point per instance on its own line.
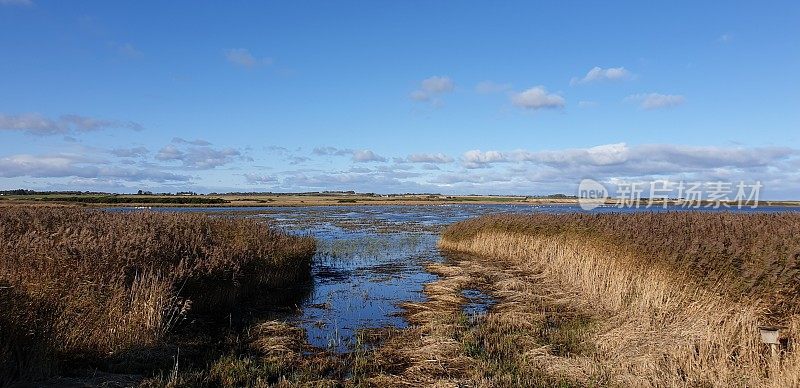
x=169 y=152
x=601 y=74
x=472 y=179
x=437 y=84
x=72 y=165
x=488 y=87
x=518 y=171
x=367 y=156
x=327 y=150
x=552 y=171
x=537 y=98
x=362 y=156
x=429 y=158
x=294 y=159
x=200 y=158
x=242 y=57
x=354 y=179
x=394 y=167
x=650 y=159
x=650 y=101
x=477 y=158
x=134 y=152
x=277 y=149
x=291 y=155
x=433 y=87
x=197 y=142
x=260 y=179
x=419 y=95
x=37 y=124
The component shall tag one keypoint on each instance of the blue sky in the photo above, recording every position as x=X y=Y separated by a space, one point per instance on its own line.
x=450 y=97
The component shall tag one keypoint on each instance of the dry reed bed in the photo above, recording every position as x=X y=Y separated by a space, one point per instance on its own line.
x=678 y=297
x=77 y=283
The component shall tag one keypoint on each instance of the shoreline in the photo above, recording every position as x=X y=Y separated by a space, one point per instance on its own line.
x=326 y=201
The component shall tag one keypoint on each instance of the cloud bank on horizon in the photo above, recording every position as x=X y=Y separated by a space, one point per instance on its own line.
x=340 y=100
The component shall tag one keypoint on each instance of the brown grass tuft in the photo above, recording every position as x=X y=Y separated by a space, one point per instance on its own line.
x=94 y=284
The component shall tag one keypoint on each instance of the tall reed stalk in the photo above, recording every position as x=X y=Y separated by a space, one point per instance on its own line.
x=670 y=316
x=77 y=283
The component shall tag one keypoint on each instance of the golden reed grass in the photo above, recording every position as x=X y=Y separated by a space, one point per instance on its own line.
x=678 y=296
x=91 y=284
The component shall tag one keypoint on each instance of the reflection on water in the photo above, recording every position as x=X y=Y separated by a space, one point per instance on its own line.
x=478 y=302
x=358 y=281
x=370 y=258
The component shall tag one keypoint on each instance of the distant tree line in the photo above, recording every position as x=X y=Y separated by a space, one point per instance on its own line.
x=34 y=192
x=262 y=193
x=304 y=193
x=128 y=199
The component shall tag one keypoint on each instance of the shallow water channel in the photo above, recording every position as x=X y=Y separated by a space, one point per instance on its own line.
x=370 y=259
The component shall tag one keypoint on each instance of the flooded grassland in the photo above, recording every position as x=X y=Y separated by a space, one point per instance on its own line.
x=388 y=302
